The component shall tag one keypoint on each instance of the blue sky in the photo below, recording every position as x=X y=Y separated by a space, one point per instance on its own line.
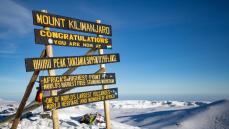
x=166 y=47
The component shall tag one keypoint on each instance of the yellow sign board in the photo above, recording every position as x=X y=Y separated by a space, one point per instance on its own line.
x=74 y=99
x=71 y=40
x=62 y=22
x=33 y=64
x=80 y=80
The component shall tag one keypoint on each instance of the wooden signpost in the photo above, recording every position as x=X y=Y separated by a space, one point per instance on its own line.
x=56 y=100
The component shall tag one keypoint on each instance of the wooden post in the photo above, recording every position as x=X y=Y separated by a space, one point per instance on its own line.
x=105 y=103
x=26 y=96
x=51 y=72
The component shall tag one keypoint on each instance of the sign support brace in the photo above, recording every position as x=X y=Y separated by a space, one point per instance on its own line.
x=26 y=96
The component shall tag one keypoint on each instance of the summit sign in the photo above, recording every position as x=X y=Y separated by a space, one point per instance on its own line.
x=67 y=23
x=98 y=38
x=47 y=37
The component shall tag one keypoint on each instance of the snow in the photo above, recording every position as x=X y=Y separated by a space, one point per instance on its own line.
x=132 y=114
x=212 y=116
x=206 y=116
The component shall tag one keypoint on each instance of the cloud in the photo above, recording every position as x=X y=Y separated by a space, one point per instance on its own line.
x=14 y=19
x=8 y=48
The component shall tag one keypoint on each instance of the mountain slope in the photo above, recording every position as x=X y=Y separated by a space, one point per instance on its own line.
x=209 y=116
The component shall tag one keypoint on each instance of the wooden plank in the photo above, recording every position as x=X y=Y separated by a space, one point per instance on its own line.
x=26 y=96
x=74 y=99
x=69 y=61
x=62 y=22
x=79 y=80
x=47 y=37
